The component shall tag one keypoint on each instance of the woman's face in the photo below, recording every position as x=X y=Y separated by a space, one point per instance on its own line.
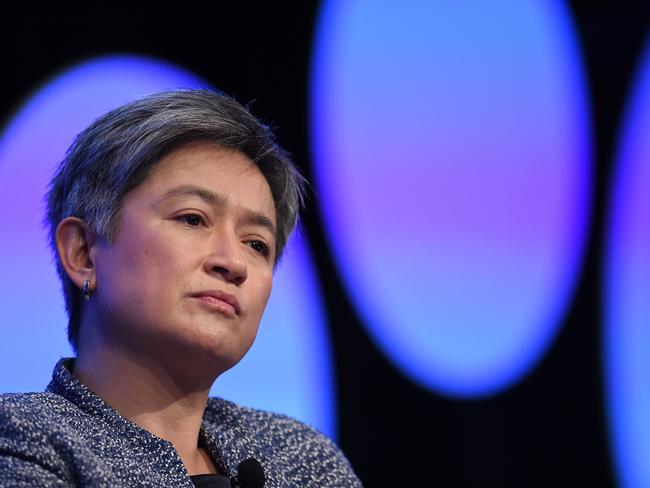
x=189 y=273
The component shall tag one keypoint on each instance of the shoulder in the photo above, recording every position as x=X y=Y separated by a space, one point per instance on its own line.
x=307 y=456
x=29 y=428
x=277 y=429
x=28 y=412
x=253 y=420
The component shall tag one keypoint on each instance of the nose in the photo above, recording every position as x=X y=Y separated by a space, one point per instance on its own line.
x=227 y=260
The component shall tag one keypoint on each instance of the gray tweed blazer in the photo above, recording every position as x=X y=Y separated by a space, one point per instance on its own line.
x=67 y=436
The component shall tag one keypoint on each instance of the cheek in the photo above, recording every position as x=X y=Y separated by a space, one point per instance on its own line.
x=261 y=295
x=136 y=270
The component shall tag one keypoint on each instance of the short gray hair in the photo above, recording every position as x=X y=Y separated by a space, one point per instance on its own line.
x=116 y=153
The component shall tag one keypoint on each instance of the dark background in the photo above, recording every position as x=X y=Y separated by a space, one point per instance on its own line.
x=549 y=430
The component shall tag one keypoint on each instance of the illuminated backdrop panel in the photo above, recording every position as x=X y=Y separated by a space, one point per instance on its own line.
x=293 y=347
x=627 y=292
x=452 y=166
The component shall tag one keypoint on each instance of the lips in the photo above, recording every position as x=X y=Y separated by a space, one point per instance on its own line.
x=220 y=299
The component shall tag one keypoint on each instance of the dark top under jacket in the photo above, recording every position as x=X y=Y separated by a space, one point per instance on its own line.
x=211 y=481
x=67 y=436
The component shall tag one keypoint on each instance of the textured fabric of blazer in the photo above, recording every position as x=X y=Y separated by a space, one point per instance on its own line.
x=67 y=436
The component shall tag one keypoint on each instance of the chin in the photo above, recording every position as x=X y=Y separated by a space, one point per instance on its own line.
x=218 y=354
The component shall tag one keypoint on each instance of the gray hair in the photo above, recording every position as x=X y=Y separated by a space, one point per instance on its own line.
x=116 y=153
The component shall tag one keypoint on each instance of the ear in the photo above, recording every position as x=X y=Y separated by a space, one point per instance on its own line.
x=75 y=244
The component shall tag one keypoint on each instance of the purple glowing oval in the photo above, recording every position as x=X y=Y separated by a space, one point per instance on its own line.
x=31 y=145
x=452 y=166
x=626 y=293
x=33 y=314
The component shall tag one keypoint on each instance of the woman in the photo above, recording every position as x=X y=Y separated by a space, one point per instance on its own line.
x=167 y=217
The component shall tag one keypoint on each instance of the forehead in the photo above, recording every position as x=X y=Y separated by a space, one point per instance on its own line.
x=220 y=170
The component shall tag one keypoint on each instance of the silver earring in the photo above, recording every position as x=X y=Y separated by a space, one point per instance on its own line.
x=87 y=292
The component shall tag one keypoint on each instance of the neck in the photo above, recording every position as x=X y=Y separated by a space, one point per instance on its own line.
x=156 y=395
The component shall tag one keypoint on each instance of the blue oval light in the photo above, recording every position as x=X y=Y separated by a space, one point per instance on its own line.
x=33 y=315
x=626 y=292
x=452 y=165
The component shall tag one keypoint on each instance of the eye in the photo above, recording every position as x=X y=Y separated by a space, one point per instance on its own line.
x=260 y=247
x=193 y=220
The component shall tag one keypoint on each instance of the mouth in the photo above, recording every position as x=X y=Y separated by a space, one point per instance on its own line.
x=220 y=300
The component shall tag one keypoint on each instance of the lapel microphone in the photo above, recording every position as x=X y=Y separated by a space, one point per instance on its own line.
x=250 y=474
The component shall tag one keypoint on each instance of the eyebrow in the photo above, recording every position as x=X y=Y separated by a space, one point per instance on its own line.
x=216 y=200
